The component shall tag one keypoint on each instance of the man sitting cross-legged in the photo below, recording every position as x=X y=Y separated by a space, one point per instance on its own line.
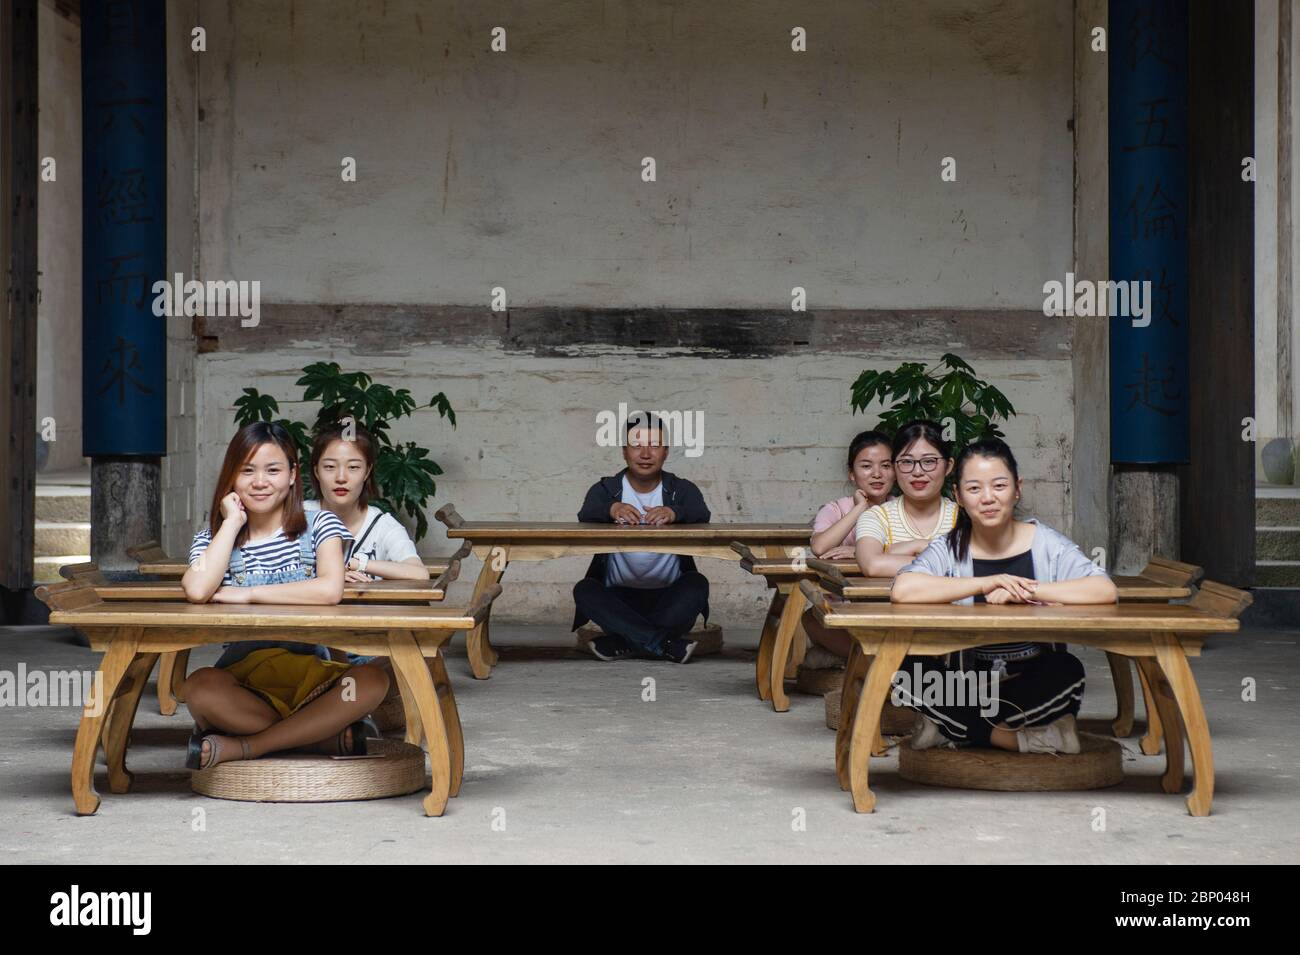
x=646 y=603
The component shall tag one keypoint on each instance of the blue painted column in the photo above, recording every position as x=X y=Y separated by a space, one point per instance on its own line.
x=1149 y=389
x=124 y=247
x=124 y=240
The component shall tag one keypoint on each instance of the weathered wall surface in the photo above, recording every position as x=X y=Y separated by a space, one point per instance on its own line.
x=522 y=170
x=58 y=313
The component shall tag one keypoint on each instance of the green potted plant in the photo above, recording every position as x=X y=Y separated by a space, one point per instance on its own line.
x=405 y=472
x=948 y=393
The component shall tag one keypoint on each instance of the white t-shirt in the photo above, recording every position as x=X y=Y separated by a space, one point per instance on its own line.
x=641 y=569
x=382 y=536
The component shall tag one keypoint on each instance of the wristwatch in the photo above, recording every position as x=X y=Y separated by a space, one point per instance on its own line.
x=362 y=560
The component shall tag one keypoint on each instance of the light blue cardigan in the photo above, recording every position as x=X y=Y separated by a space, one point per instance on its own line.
x=1055 y=557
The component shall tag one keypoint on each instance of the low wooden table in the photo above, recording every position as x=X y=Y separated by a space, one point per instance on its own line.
x=172 y=666
x=497 y=543
x=1158 y=637
x=1161 y=581
x=132 y=634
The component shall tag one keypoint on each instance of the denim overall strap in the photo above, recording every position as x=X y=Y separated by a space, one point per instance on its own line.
x=237 y=566
x=235 y=652
x=307 y=552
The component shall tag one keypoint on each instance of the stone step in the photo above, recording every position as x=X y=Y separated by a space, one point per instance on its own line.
x=1277 y=543
x=1277 y=573
x=46 y=569
x=1277 y=506
x=56 y=502
x=62 y=537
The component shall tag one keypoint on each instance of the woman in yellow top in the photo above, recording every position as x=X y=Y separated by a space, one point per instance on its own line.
x=891 y=534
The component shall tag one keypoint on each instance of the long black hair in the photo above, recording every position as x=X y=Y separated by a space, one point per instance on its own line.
x=864 y=440
x=959 y=536
x=921 y=430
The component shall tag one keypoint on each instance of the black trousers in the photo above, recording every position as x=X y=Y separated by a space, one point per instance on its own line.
x=1032 y=692
x=645 y=618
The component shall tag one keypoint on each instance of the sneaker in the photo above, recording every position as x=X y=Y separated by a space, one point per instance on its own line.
x=609 y=647
x=678 y=649
x=926 y=733
x=1060 y=736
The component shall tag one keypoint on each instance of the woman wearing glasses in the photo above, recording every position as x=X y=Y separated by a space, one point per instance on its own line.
x=889 y=535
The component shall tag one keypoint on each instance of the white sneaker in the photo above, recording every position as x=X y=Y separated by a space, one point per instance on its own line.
x=926 y=733
x=1060 y=736
x=819 y=658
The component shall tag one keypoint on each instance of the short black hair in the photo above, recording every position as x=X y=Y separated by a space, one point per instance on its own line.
x=920 y=430
x=644 y=419
x=865 y=439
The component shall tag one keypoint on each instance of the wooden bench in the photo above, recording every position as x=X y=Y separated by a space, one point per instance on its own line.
x=497 y=543
x=133 y=634
x=1158 y=637
x=152 y=559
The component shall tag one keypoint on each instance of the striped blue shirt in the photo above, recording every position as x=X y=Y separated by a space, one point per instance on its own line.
x=275 y=553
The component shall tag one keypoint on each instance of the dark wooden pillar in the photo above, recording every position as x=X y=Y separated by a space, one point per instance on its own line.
x=18 y=184
x=1218 y=486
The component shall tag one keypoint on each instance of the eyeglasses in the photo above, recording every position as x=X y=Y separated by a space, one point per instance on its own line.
x=907 y=465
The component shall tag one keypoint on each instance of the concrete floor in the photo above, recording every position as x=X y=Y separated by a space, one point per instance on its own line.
x=564 y=750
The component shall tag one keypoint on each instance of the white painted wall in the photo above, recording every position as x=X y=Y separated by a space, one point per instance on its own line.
x=58 y=250
x=522 y=170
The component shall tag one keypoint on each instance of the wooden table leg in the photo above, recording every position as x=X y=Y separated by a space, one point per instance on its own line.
x=414 y=728
x=767 y=645
x=451 y=719
x=798 y=649
x=1150 y=744
x=855 y=671
x=478 y=644
x=1163 y=702
x=795 y=604
x=179 y=671
x=117 y=733
x=866 y=720
x=1169 y=653
x=409 y=661
x=1121 y=674
x=111 y=669
x=166 y=668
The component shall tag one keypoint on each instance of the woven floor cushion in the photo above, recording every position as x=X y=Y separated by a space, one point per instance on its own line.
x=1098 y=764
x=398 y=771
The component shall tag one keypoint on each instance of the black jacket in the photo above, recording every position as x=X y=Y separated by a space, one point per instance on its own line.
x=680 y=494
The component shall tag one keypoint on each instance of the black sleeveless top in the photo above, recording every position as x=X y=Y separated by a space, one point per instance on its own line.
x=1018 y=565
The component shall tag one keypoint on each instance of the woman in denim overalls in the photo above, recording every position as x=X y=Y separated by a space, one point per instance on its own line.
x=266 y=696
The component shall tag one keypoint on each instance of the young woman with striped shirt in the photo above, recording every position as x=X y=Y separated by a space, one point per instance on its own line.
x=260 y=547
